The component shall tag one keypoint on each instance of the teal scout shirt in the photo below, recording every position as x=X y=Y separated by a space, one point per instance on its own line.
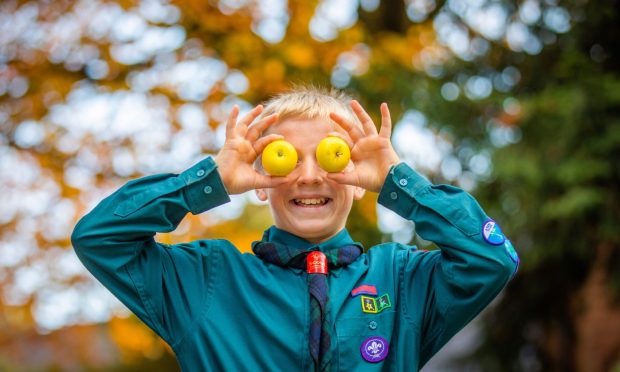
x=223 y=310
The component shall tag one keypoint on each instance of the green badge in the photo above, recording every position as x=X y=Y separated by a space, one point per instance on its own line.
x=369 y=305
x=383 y=303
x=375 y=305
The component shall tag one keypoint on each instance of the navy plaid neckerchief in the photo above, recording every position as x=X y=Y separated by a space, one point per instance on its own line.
x=318 y=288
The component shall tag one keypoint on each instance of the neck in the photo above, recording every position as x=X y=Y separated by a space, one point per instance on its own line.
x=314 y=239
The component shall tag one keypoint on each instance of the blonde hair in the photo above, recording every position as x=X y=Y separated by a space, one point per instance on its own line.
x=310 y=102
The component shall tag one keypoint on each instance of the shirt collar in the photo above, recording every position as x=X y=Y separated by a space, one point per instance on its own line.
x=276 y=235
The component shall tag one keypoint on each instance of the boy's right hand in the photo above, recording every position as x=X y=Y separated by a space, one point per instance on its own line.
x=243 y=145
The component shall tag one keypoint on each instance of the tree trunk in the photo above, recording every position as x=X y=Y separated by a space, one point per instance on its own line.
x=597 y=319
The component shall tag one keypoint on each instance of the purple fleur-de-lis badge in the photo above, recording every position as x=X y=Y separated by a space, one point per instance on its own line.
x=374 y=349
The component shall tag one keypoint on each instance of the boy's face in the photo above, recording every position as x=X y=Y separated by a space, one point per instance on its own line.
x=309 y=205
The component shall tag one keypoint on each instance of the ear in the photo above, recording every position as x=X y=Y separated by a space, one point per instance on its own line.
x=358 y=193
x=261 y=194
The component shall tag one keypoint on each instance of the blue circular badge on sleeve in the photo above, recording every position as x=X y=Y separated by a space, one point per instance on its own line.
x=374 y=349
x=492 y=233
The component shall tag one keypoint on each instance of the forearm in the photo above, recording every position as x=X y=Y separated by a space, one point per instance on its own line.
x=452 y=219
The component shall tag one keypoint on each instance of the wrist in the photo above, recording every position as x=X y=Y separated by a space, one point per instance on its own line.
x=391 y=163
x=221 y=168
x=382 y=177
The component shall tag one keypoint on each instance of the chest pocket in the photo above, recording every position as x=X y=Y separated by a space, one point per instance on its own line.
x=352 y=332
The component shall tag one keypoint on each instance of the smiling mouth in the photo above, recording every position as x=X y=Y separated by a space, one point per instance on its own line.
x=311 y=202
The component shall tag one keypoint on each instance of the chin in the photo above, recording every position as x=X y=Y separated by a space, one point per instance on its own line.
x=315 y=234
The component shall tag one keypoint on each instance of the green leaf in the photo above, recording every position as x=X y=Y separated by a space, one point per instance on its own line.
x=572 y=203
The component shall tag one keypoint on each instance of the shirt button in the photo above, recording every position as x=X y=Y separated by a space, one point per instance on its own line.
x=403 y=182
x=393 y=195
x=201 y=172
x=372 y=325
x=207 y=189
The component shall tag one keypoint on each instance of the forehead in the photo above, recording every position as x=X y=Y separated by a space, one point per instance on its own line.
x=304 y=131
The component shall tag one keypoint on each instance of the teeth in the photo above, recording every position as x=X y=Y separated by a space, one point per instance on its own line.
x=314 y=201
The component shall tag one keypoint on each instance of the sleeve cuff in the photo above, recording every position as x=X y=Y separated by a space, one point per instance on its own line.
x=204 y=188
x=401 y=186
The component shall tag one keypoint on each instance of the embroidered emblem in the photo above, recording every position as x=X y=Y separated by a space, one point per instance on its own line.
x=364 y=289
x=383 y=303
x=513 y=256
x=492 y=233
x=374 y=349
x=511 y=251
x=369 y=305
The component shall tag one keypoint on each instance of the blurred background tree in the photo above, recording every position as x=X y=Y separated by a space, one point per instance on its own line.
x=517 y=102
x=557 y=189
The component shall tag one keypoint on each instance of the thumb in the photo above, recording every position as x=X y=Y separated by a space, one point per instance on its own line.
x=264 y=182
x=349 y=178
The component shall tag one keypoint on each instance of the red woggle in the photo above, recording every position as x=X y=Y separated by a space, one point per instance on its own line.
x=316 y=263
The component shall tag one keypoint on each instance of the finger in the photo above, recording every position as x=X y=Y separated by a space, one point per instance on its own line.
x=259 y=127
x=386 y=121
x=365 y=119
x=355 y=132
x=344 y=178
x=265 y=182
x=232 y=121
x=250 y=116
x=260 y=145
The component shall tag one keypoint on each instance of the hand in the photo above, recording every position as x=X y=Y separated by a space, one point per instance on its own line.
x=242 y=147
x=372 y=152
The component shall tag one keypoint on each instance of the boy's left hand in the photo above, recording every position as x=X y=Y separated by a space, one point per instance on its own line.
x=372 y=152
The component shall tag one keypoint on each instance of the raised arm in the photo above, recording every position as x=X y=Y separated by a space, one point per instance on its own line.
x=441 y=290
x=115 y=241
x=444 y=290
x=162 y=284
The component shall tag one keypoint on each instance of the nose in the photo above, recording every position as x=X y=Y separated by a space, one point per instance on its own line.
x=310 y=172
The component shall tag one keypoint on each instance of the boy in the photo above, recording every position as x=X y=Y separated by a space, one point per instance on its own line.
x=310 y=298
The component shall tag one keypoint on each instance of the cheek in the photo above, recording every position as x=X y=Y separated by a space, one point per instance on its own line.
x=276 y=197
x=346 y=198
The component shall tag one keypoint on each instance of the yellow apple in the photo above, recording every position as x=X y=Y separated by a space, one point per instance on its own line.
x=279 y=158
x=333 y=154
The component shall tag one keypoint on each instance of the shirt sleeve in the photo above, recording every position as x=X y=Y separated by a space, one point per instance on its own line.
x=450 y=286
x=164 y=285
